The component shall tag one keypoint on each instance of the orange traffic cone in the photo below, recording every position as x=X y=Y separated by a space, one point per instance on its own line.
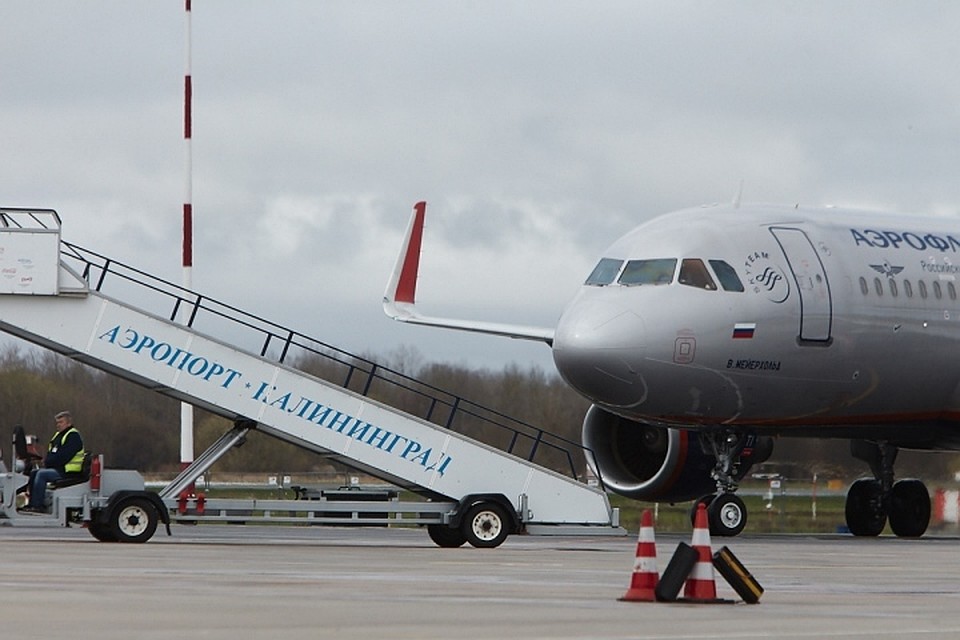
x=700 y=585
x=645 y=576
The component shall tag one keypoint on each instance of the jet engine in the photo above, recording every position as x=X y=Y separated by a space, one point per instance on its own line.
x=657 y=464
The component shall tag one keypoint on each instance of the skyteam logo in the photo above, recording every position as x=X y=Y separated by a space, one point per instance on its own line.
x=765 y=277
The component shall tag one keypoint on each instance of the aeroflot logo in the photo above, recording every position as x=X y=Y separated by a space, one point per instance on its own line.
x=766 y=277
x=905 y=240
x=886 y=269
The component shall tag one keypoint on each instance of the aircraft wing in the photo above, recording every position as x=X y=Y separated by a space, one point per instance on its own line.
x=399 y=301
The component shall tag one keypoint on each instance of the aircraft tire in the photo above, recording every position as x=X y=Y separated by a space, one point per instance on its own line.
x=727 y=515
x=909 y=508
x=864 y=508
x=486 y=525
x=446 y=537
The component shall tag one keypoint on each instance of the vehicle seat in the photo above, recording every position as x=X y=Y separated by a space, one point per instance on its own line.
x=71 y=479
x=20 y=449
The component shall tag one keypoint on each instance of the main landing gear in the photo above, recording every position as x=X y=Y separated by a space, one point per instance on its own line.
x=726 y=512
x=871 y=502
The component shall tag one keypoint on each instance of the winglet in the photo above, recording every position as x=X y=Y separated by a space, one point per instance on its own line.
x=402 y=286
x=408 y=262
x=399 y=301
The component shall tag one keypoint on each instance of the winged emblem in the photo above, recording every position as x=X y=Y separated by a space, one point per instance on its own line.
x=886 y=269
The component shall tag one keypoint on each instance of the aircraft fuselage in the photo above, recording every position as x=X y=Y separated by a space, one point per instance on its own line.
x=812 y=321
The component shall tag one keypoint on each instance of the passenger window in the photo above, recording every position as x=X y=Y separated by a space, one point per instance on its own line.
x=878 y=286
x=937 y=291
x=694 y=273
x=863 y=286
x=893 y=287
x=659 y=271
x=605 y=272
x=908 y=288
x=727 y=275
x=922 y=286
x=951 y=291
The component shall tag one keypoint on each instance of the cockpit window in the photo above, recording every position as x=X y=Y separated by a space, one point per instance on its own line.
x=694 y=273
x=605 y=272
x=659 y=271
x=727 y=275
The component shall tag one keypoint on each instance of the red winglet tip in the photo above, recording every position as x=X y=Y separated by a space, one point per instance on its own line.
x=407 y=285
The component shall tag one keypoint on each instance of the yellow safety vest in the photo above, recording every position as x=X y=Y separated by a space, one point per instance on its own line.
x=75 y=465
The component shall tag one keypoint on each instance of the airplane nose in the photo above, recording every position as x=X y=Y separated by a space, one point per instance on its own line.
x=597 y=349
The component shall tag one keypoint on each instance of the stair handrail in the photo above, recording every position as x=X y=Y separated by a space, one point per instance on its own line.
x=187 y=306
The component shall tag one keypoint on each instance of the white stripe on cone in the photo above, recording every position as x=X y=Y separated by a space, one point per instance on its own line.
x=701 y=584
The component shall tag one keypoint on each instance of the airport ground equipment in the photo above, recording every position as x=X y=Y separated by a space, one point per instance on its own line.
x=675 y=575
x=111 y=503
x=645 y=578
x=491 y=475
x=737 y=576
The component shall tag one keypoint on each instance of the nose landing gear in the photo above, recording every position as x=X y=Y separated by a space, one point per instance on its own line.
x=726 y=512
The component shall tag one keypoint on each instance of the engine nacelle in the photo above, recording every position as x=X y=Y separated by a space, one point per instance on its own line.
x=655 y=464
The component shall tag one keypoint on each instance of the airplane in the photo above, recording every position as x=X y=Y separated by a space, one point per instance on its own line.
x=703 y=335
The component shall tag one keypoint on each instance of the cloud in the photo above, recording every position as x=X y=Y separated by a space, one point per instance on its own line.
x=537 y=131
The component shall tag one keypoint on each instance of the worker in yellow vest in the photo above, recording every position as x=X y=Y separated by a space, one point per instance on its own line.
x=64 y=457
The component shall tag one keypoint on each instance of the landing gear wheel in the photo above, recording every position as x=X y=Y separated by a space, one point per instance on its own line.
x=864 y=508
x=909 y=508
x=486 y=525
x=101 y=532
x=727 y=515
x=133 y=520
x=446 y=537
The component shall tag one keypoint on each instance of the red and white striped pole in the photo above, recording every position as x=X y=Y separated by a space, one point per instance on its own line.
x=186 y=409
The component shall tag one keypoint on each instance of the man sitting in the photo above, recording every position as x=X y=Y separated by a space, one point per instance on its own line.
x=64 y=457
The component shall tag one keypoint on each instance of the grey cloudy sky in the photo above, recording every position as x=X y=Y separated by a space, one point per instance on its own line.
x=538 y=131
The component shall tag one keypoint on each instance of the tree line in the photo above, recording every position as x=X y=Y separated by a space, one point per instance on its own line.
x=136 y=428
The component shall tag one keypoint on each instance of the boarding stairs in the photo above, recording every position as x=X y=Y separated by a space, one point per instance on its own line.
x=263 y=376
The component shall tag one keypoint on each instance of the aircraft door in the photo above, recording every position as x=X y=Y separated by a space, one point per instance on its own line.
x=816 y=306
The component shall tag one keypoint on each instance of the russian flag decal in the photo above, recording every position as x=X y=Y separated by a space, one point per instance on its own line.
x=744 y=330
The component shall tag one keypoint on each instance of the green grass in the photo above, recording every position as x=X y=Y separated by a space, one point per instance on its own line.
x=787 y=514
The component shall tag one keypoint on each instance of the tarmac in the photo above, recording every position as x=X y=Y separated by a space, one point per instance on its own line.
x=273 y=582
